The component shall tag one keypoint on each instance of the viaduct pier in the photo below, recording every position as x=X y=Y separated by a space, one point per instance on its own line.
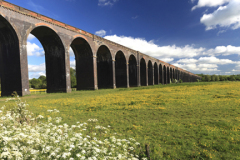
x=100 y=63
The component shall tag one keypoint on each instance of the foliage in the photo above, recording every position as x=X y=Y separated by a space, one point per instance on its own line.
x=40 y=83
x=25 y=136
x=209 y=78
x=180 y=81
x=73 y=78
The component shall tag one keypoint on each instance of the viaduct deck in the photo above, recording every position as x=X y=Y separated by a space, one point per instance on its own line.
x=100 y=63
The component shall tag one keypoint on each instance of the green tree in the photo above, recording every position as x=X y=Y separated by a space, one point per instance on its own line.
x=207 y=78
x=73 y=78
x=221 y=78
x=43 y=80
x=232 y=78
x=213 y=77
x=35 y=83
x=217 y=78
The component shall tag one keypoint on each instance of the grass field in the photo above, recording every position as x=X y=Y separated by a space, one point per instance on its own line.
x=178 y=121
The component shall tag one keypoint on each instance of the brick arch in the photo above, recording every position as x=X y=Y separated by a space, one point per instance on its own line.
x=120 y=69
x=104 y=67
x=84 y=62
x=11 y=76
x=54 y=56
x=150 y=72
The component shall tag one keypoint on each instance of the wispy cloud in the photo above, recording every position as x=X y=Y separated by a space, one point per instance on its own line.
x=101 y=33
x=106 y=2
x=135 y=17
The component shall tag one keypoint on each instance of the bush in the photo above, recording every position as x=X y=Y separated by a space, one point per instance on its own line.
x=25 y=136
x=180 y=81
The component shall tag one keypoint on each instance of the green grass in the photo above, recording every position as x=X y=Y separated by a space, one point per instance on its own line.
x=178 y=121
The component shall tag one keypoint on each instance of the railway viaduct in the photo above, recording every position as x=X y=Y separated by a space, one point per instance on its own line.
x=100 y=63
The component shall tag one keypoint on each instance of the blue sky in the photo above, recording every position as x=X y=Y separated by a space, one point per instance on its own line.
x=201 y=36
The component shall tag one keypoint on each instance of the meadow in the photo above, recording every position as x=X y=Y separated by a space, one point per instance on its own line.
x=178 y=121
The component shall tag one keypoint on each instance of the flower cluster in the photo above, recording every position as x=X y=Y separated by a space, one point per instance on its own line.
x=25 y=136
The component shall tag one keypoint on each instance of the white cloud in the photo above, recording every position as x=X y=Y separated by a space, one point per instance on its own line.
x=36 y=68
x=101 y=33
x=106 y=2
x=73 y=64
x=34 y=50
x=36 y=74
x=224 y=50
x=203 y=64
x=209 y=3
x=214 y=60
x=151 y=49
x=167 y=59
x=226 y=15
x=31 y=37
x=198 y=67
x=71 y=53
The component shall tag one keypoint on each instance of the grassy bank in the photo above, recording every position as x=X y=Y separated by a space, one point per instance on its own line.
x=180 y=121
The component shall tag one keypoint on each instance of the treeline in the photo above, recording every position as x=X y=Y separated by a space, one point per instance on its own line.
x=41 y=82
x=208 y=78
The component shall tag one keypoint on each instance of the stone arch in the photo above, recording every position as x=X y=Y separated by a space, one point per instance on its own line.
x=150 y=73
x=174 y=76
x=168 y=75
x=165 y=74
x=54 y=57
x=84 y=63
x=156 y=73
x=104 y=67
x=132 y=71
x=143 y=74
x=171 y=74
x=10 y=67
x=161 y=75
x=120 y=69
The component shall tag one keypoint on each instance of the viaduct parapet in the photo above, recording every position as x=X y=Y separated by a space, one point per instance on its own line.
x=100 y=63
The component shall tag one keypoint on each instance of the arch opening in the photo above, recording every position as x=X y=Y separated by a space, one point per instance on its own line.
x=174 y=74
x=156 y=73
x=165 y=74
x=150 y=73
x=10 y=70
x=161 y=75
x=104 y=68
x=171 y=74
x=168 y=75
x=120 y=70
x=143 y=77
x=83 y=64
x=132 y=71
x=54 y=58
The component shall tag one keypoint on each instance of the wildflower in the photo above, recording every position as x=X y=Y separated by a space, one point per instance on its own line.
x=40 y=117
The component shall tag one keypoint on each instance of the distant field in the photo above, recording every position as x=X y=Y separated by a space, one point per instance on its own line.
x=180 y=121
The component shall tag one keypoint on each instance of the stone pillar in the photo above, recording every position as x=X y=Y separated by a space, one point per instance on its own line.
x=95 y=72
x=127 y=67
x=67 y=68
x=114 y=74
x=153 y=74
x=146 y=74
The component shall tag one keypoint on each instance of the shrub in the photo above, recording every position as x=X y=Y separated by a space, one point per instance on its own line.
x=180 y=81
x=25 y=136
